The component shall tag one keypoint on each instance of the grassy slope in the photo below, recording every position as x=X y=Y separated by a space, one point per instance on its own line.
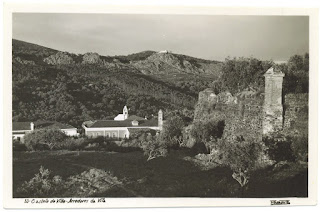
x=162 y=177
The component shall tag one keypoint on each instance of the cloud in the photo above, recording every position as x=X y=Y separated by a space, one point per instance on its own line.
x=210 y=37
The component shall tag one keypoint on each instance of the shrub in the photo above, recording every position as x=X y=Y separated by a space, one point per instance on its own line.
x=108 y=144
x=89 y=183
x=86 y=184
x=278 y=148
x=72 y=144
x=172 y=133
x=241 y=155
x=153 y=147
x=137 y=137
x=207 y=131
x=44 y=139
x=41 y=185
x=18 y=146
x=299 y=146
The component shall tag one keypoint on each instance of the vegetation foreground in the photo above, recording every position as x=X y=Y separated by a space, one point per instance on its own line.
x=107 y=174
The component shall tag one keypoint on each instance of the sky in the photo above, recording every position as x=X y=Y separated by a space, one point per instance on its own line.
x=213 y=37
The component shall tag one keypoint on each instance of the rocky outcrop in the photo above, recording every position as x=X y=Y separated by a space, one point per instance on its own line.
x=172 y=63
x=91 y=58
x=60 y=58
x=24 y=62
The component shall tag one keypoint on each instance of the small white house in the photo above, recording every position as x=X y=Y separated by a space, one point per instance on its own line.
x=20 y=129
x=163 y=52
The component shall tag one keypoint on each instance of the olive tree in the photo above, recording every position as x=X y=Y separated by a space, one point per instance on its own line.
x=242 y=156
x=153 y=147
x=172 y=133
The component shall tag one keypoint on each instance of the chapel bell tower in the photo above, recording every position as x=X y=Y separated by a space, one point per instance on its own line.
x=160 y=119
x=125 y=112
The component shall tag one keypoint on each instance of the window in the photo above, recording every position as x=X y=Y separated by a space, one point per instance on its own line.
x=114 y=135
x=107 y=134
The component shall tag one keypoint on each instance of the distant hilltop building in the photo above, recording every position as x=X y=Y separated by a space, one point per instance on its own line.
x=164 y=52
x=280 y=61
x=121 y=125
x=20 y=129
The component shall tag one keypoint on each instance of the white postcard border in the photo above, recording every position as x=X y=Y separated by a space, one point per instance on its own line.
x=10 y=202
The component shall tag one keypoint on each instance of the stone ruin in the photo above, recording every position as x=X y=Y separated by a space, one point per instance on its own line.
x=273 y=108
x=256 y=113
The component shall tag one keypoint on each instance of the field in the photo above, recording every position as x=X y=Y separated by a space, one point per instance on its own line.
x=172 y=176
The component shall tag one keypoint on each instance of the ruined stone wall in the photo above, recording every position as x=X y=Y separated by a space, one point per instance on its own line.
x=242 y=114
x=296 y=114
x=245 y=115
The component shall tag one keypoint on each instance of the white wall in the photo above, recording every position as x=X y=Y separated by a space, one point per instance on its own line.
x=70 y=132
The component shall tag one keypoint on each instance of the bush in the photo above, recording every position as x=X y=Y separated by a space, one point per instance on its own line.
x=41 y=185
x=108 y=144
x=90 y=183
x=18 y=146
x=172 y=133
x=153 y=147
x=73 y=144
x=299 y=146
x=241 y=155
x=54 y=139
x=86 y=184
x=137 y=136
x=44 y=139
x=278 y=148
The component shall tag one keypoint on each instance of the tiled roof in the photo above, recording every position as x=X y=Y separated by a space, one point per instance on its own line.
x=125 y=123
x=21 y=126
x=39 y=124
x=137 y=118
x=18 y=133
x=51 y=124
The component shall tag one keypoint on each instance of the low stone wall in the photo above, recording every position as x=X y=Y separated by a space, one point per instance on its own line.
x=296 y=114
x=244 y=115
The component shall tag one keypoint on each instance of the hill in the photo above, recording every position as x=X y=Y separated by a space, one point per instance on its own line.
x=52 y=85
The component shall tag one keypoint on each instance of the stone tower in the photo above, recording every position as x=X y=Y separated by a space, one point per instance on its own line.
x=273 y=109
x=125 y=112
x=160 y=119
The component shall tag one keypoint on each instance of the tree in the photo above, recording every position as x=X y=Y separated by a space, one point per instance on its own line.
x=296 y=78
x=42 y=185
x=240 y=73
x=153 y=147
x=207 y=131
x=44 y=139
x=242 y=156
x=172 y=133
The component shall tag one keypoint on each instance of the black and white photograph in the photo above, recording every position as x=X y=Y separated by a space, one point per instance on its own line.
x=120 y=105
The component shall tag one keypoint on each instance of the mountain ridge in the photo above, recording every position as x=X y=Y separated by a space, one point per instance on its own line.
x=53 y=85
x=147 y=62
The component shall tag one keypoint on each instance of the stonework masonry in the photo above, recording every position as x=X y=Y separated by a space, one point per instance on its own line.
x=296 y=114
x=273 y=109
x=254 y=114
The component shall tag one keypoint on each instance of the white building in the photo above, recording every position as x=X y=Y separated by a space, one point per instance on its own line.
x=121 y=126
x=20 y=129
